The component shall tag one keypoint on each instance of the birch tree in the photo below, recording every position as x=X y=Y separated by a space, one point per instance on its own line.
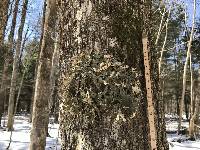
x=185 y=67
x=164 y=43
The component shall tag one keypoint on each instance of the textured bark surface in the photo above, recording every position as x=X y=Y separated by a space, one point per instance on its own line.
x=158 y=103
x=11 y=104
x=150 y=104
x=43 y=86
x=4 y=4
x=102 y=88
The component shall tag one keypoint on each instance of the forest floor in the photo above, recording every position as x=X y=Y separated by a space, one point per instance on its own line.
x=179 y=142
x=21 y=135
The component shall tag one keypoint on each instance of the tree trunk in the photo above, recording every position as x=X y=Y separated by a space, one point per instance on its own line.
x=8 y=58
x=3 y=19
x=193 y=112
x=92 y=114
x=165 y=41
x=15 y=69
x=161 y=26
x=177 y=70
x=54 y=73
x=155 y=105
x=194 y=116
x=43 y=86
x=185 y=69
x=3 y=22
x=37 y=61
x=151 y=115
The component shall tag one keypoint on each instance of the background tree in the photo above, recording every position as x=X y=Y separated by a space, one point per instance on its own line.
x=185 y=67
x=42 y=95
x=8 y=59
x=3 y=23
x=15 y=68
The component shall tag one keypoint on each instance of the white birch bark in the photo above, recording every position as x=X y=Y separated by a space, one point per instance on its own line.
x=185 y=67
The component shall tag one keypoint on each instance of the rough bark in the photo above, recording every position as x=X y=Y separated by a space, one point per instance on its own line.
x=185 y=68
x=155 y=105
x=15 y=68
x=93 y=112
x=150 y=107
x=40 y=117
x=4 y=5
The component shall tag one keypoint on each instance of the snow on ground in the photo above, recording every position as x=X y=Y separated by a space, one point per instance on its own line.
x=21 y=135
x=187 y=145
x=172 y=125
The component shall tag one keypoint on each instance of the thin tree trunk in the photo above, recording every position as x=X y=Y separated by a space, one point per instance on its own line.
x=177 y=70
x=19 y=93
x=160 y=27
x=185 y=69
x=37 y=61
x=165 y=41
x=150 y=107
x=191 y=87
x=54 y=71
x=4 y=5
x=23 y=76
x=192 y=112
x=195 y=114
x=15 y=111
x=15 y=68
x=54 y=67
x=42 y=89
x=8 y=58
x=155 y=107
x=162 y=95
x=23 y=44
